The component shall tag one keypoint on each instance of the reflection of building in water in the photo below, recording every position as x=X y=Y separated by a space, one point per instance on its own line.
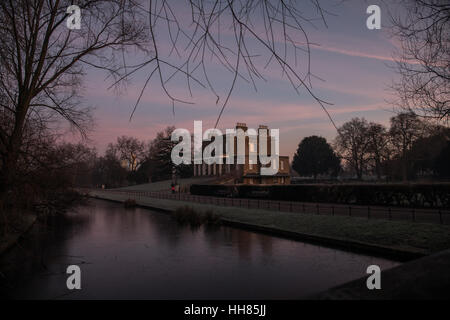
x=247 y=242
x=248 y=173
x=244 y=243
x=266 y=244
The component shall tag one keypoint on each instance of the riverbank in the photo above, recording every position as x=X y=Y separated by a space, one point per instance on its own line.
x=425 y=279
x=23 y=219
x=394 y=239
x=11 y=238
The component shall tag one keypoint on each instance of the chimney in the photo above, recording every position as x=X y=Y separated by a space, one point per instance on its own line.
x=241 y=125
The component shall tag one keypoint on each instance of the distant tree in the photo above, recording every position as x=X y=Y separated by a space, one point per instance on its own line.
x=425 y=151
x=423 y=60
x=131 y=150
x=159 y=160
x=315 y=156
x=146 y=171
x=108 y=170
x=406 y=128
x=378 y=146
x=160 y=153
x=441 y=164
x=353 y=145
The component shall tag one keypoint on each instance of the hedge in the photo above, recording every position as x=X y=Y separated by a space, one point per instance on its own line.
x=403 y=195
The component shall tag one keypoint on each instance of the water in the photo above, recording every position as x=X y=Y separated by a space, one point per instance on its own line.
x=141 y=254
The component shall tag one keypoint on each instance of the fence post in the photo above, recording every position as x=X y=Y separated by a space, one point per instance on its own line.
x=349 y=211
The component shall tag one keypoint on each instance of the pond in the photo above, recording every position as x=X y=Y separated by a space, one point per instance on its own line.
x=142 y=254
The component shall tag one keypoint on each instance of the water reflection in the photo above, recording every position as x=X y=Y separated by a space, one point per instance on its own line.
x=141 y=254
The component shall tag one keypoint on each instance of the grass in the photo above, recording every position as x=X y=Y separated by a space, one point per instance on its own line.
x=423 y=238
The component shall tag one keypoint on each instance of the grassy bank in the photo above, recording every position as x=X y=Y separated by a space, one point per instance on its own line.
x=403 y=236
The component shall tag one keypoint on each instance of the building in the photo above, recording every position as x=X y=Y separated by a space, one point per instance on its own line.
x=248 y=173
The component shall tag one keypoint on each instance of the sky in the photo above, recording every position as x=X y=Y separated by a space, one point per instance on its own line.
x=354 y=65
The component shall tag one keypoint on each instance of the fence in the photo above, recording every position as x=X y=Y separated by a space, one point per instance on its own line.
x=370 y=212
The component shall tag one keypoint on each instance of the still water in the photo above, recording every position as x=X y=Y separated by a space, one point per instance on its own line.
x=141 y=254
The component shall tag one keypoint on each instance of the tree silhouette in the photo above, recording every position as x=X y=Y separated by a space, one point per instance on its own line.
x=353 y=145
x=441 y=164
x=378 y=146
x=423 y=61
x=406 y=128
x=43 y=62
x=315 y=156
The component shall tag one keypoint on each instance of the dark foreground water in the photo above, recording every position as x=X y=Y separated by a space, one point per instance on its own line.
x=141 y=254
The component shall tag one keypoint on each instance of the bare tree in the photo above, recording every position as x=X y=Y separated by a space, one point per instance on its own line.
x=243 y=37
x=406 y=128
x=378 y=147
x=43 y=61
x=424 y=59
x=131 y=150
x=353 y=145
x=107 y=170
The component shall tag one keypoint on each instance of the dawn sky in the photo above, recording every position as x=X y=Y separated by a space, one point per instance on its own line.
x=354 y=62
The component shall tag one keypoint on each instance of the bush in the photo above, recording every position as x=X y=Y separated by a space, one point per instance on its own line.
x=402 y=195
x=188 y=215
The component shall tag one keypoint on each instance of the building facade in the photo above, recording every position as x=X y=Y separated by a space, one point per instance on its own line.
x=247 y=173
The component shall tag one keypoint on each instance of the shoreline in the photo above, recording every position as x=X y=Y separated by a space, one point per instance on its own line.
x=245 y=219
x=10 y=240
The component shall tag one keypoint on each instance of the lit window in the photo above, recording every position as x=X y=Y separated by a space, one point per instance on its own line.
x=282 y=165
x=252 y=147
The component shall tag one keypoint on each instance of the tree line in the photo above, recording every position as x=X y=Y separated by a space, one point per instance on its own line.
x=43 y=64
x=130 y=161
x=411 y=147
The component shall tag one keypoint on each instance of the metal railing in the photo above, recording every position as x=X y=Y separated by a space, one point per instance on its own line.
x=441 y=216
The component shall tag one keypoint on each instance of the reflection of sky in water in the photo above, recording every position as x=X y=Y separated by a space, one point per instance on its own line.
x=142 y=254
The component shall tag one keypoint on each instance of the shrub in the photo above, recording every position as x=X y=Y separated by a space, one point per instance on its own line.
x=188 y=215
